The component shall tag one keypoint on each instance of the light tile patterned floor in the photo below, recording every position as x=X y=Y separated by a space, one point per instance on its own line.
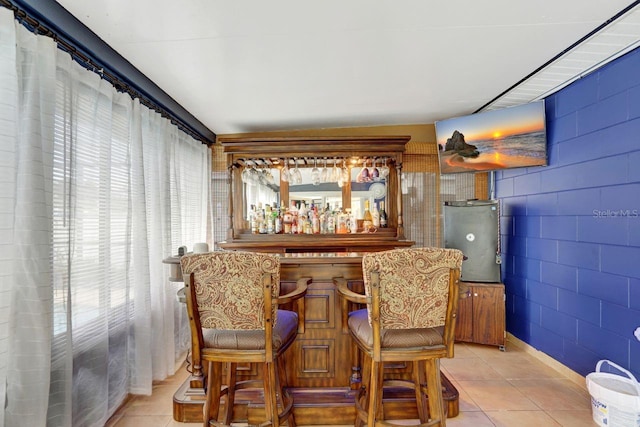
x=497 y=389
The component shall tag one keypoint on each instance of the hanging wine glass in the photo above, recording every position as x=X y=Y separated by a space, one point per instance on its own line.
x=325 y=175
x=315 y=173
x=384 y=169
x=345 y=172
x=340 y=176
x=250 y=174
x=285 y=171
x=268 y=176
x=296 y=173
x=246 y=174
x=335 y=171
x=260 y=177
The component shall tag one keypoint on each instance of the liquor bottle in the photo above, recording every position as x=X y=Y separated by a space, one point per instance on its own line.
x=331 y=222
x=341 y=223
x=253 y=220
x=315 y=222
x=287 y=220
x=277 y=218
x=323 y=221
x=367 y=220
x=384 y=221
x=353 y=223
x=294 y=217
x=262 y=225
x=375 y=216
x=269 y=220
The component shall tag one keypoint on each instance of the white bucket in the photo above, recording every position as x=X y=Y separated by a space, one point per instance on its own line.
x=615 y=399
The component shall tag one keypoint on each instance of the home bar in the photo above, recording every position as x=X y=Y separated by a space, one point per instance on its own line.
x=323 y=366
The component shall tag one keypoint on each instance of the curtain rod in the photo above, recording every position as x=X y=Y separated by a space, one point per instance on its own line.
x=50 y=19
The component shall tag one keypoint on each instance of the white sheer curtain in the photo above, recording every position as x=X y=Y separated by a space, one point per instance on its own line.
x=95 y=191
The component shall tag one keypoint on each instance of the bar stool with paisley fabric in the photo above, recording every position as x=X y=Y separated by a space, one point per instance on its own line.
x=412 y=299
x=232 y=303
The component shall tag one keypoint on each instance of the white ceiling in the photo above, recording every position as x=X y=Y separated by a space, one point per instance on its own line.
x=250 y=65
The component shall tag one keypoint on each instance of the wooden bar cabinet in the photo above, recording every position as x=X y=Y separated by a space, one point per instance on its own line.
x=322 y=365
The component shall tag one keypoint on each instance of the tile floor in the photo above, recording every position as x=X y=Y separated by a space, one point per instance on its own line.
x=505 y=389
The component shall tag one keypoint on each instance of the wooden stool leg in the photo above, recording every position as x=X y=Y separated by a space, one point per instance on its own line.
x=380 y=398
x=270 y=401
x=434 y=388
x=374 y=390
x=419 y=381
x=366 y=383
x=212 y=402
x=283 y=393
x=231 y=392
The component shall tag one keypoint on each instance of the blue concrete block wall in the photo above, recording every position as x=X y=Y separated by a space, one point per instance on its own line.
x=571 y=230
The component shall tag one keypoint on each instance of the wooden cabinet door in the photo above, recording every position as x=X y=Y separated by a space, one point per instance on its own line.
x=481 y=314
x=464 y=320
x=488 y=314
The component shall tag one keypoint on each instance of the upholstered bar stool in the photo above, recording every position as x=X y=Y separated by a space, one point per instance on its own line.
x=232 y=303
x=412 y=299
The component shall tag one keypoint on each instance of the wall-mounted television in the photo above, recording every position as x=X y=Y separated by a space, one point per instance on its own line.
x=513 y=137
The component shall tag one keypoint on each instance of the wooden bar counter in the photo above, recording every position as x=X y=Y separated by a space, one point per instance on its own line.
x=322 y=365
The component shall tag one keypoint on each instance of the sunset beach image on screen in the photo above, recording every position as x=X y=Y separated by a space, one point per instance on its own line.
x=511 y=137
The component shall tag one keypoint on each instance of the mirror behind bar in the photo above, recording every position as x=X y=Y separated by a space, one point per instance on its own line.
x=326 y=174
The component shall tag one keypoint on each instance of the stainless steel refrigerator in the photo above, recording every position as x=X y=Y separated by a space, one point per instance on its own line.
x=472 y=227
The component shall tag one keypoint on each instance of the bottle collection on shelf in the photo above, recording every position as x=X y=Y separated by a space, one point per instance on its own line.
x=298 y=219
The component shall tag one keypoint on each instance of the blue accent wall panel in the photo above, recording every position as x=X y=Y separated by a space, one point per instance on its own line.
x=619 y=79
x=561 y=276
x=559 y=227
x=542 y=204
x=527 y=226
x=563 y=324
x=609 y=288
x=575 y=97
x=603 y=227
x=591 y=145
x=563 y=128
x=634 y=173
x=581 y=307
x=634 y=107
x=546 y=340
x=581 y=359
x=619 y=319
x=575 y=202
x=542 y=249
x=622 y=199
x=574 y=234
x=578 y=254
x=624 y=260
x=527 y=267
x=604 y=342
x=527 y=184
x=607 y=112
x=518 y=286
x=545 y=295
x=634 y=294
